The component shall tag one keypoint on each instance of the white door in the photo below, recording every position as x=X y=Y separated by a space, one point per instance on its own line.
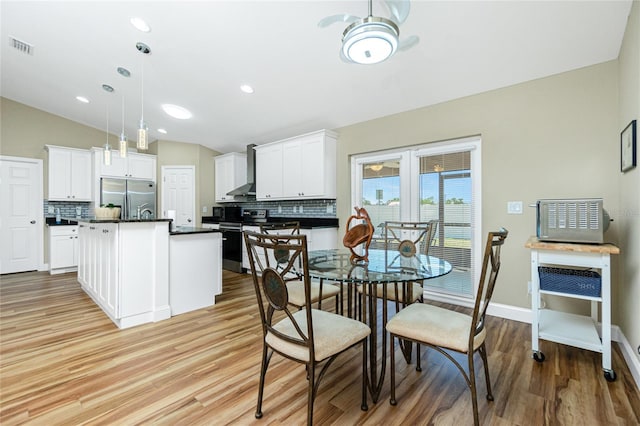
x=178 y=193
x=21 y=215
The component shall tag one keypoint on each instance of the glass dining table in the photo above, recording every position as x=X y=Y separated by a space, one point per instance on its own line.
x=385 y=266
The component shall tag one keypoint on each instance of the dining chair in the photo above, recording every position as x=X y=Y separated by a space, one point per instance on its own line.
x=407 y=239
x=449 y=331
x=318 y=289
x=309 y=336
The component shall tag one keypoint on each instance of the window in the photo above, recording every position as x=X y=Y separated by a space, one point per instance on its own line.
x=438 y=181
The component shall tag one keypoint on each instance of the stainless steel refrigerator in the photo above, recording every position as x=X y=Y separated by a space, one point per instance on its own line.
x=136 y=198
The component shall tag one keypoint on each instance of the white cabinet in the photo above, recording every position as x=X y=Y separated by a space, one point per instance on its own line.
x=580 y=331
x=303 y=167
x=124 y=268
x=230 y=173
x=269 y=165
x=98 y=264
x=63 y=248
x=70 y=175
x=133 y=166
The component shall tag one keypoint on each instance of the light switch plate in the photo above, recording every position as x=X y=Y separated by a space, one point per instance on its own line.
x=204 y=209
x=514 y=207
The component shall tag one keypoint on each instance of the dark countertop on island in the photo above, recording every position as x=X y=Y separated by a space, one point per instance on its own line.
x=186 y=230
x=94 y=219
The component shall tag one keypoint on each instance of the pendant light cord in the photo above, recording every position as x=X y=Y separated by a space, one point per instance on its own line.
x=142 y=91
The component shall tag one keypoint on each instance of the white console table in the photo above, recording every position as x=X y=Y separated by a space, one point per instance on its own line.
x=566 y=328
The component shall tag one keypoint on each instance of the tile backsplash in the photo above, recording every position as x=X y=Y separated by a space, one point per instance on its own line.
x=67 y=209
x=294 y=208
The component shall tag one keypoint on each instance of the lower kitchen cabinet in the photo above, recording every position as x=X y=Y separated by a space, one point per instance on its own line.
x=63 y=249
x=123 y=267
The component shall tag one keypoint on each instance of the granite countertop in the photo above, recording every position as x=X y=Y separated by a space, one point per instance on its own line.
x=186 y=230
x=51 y=221
x=94 y=219
x=305 y=222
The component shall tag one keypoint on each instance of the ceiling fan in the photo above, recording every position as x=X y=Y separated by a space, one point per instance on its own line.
x=373 y=39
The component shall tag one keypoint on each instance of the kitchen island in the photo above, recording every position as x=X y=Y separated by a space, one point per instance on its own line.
x=124 y=266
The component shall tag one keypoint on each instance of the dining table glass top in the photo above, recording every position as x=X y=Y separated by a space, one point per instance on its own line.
x=384 y=266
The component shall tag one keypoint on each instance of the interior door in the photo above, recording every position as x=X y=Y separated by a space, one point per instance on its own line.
x=21 y=215
x=178 y=193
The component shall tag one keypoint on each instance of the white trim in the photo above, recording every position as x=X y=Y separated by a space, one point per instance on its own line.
x=630 y=357
x=40 y=194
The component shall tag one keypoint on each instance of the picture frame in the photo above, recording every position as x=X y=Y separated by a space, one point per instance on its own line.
x=628 y=147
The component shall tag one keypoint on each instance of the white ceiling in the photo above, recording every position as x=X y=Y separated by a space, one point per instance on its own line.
x=202 y=52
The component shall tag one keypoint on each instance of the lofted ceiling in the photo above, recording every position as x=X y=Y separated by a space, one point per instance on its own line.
x=202 y=52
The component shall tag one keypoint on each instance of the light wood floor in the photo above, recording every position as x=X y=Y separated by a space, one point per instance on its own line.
x=62 y=361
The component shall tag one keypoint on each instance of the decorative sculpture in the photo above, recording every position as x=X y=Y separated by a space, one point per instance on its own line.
x=359 y=234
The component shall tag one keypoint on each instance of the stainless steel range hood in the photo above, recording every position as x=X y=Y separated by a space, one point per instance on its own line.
x=249 y=188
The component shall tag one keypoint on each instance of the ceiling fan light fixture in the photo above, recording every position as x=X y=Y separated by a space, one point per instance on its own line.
x=370 y=40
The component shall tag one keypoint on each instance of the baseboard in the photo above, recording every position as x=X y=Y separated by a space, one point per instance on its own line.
x=630 y=357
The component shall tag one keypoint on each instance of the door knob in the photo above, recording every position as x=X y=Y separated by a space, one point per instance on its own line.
x=32 y=222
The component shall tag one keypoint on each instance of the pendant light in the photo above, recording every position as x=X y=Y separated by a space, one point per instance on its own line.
x=123 y=144
x=106 y=153
x=143 y=141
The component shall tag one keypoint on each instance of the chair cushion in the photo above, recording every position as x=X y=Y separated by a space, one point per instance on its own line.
x=436 y=326
x=296 y=292
x=391 y=292
x=332 y=334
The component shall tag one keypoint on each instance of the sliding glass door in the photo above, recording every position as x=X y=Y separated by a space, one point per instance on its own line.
x=438 y=181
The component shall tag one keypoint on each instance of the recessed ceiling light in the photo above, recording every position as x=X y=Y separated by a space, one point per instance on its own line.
x=108 y=88
x=246 y=88
x=140 y=25
x=124 y=72
x=177 y=111
x=82 y=99
x=163 y=131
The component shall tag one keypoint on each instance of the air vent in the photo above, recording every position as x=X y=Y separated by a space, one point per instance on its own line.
x=20 y=45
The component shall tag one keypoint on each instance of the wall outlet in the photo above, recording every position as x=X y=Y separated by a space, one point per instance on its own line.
x=204 y=209
x=301 y=209
x=329 y=208
x=279 y=208
x=295 y=209
x=50 y=209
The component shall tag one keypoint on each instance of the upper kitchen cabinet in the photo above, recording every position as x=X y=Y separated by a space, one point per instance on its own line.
x=230 y=173
x=133 y=166
x=303 y=167
x=269 y=164
x=69 y=174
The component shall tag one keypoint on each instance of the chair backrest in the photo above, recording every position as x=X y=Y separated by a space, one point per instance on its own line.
x=410 y=237
x=286 y=228
x=283 y=228
x=270 y=278
x=488 y=275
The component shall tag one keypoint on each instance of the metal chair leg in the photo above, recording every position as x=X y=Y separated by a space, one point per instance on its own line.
x=483 y=353
x=392 y=398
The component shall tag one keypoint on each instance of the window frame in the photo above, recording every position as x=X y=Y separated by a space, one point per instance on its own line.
x=409 y=158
